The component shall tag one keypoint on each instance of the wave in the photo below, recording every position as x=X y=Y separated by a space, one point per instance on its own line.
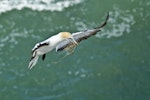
x=38 y=5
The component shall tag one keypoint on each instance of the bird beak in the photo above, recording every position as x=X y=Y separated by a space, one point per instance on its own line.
x=74 y=41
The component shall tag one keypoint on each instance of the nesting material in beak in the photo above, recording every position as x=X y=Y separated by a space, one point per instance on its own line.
x=74 y=41
x=70 y=49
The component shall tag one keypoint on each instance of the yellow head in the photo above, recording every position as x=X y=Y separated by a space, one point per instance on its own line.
x=65 y=35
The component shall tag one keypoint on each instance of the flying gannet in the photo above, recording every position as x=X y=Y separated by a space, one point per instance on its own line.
x=62 y=41
x=41 y=48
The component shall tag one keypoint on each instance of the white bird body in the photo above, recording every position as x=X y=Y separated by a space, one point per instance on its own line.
x=41 y=48
x=52 y=42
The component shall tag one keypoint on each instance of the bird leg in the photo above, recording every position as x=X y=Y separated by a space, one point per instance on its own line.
x=43 y=57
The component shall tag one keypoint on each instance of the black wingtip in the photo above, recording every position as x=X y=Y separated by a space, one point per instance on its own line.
x=106 y=20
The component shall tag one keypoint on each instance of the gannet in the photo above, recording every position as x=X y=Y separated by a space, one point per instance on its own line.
x=41 y=48
x=62 y=41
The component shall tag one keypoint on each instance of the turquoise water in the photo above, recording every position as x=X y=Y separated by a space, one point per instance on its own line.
x=113 y=65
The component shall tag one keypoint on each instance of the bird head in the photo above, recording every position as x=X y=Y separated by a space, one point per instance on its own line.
x=67 y=35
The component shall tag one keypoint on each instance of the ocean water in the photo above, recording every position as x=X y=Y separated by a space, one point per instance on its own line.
x=112 y=65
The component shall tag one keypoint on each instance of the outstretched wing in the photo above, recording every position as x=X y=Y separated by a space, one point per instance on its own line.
x=79 y=36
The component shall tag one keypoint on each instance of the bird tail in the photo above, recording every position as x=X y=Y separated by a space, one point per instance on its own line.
x=33 y=61
x=104 y=23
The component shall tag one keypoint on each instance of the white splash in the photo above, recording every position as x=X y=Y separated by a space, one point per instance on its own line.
x=38 y=5
x=120 y=22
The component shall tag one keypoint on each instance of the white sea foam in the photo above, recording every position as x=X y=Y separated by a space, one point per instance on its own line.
x=38 y=5
x=11 y=38
x=79 y=73
x=120 y=22
x=81 y=25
